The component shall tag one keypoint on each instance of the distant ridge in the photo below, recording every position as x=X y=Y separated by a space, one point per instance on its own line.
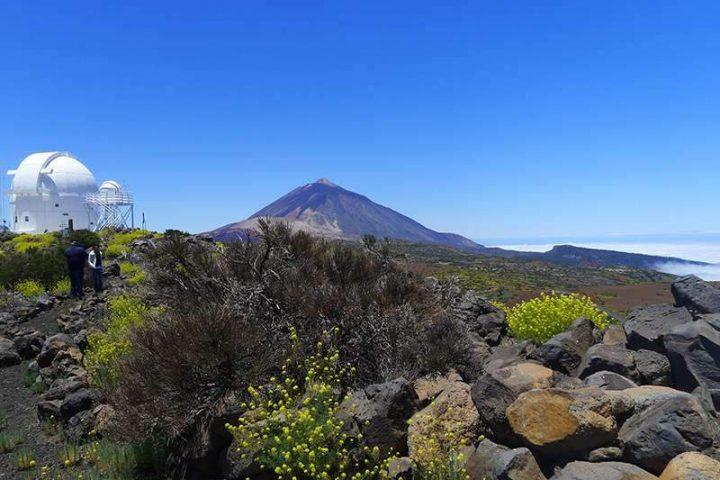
x=325 y=209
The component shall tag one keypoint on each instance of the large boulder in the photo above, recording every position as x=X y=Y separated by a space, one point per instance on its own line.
x=79 y=401
x=647 y=326
x=694 y=353
x=692 y=466
x=452 y=411
x=29 y=345
x=490 y=461
x=564 y=351
x=609 y=358
x=651 y=368
x=655 y=435
x=566 y=423
x=9 y=356
x=496 y=390
x=695 y=294
x=482 y=317
x=602 y=471
x=380 y=412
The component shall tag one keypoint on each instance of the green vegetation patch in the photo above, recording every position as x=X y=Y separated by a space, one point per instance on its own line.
x=106 y=347
x=134 y=274
x=542 y=317
x=30 y=289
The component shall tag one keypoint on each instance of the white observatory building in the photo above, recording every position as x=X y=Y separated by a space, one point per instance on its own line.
x=50 y=192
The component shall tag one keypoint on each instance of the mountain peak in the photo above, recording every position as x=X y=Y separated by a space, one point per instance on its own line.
x=325 y=181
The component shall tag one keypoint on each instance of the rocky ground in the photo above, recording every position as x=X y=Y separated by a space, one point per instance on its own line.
x=638 y=401
x=44 y=390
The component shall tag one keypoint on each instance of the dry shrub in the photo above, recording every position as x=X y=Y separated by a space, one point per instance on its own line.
x=228 y=311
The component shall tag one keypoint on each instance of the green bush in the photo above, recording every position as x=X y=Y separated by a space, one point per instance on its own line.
x=290 y=425
x=542 y=317
x=85 y=238
x=118 y=244
x=30 y=289
x=25 y=242
x=61 y=287
x=134 y=274
x=106 y=347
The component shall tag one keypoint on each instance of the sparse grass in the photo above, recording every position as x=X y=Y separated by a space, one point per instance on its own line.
x=25 y=459
x=111 y=460
x=29 y=379
x=70 y=455
x=8 y=441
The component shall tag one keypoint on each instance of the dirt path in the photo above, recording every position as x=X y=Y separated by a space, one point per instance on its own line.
x=19 y=403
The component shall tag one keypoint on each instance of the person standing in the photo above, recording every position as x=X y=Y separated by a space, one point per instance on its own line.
x=75 y=256
x=95 y=262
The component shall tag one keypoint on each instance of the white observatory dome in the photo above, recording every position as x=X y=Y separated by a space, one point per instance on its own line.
x=52 y=172
x=48 y=193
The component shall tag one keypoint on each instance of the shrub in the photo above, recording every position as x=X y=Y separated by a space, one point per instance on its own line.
x=227 y=312
x=438 y=451
x=290 y=425
x=85 y=238
x=26 y=242
x=61 y=287
x=542 y=317
x=30 y=289
x=119 y=242
x=106 y=347
x=134 y=274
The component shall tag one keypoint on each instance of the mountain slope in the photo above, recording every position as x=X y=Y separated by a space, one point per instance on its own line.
x=325 y=209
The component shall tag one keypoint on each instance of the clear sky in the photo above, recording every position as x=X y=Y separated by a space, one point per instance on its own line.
x=490 y=119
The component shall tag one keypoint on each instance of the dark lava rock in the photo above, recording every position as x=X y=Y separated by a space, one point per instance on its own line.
x=29 y=346
x=49 y=409
x=78 y=401
x=694 y=353
x=482 y=318
x=609 y=381
x=647 y=326
x=605 y=454
x=602 y=471
x=380 y=412
x=495 y=462
x=652 y=368
x=611 y=358
x=655 y=435
x=696 y=294
x=62 y=387
x=564 y=351
x=52 y=346
x=9 y=356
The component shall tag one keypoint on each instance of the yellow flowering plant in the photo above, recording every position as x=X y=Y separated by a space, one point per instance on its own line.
x=542 y=317
x=106 y=347
x=289 y=426
x=439 y=454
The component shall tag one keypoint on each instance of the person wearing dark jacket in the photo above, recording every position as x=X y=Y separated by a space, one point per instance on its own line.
x=95 y=262
x=76 y=256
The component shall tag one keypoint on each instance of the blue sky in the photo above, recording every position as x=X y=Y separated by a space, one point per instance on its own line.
x=490 y=119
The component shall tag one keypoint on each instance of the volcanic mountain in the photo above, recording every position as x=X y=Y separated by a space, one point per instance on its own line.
x=328 y=210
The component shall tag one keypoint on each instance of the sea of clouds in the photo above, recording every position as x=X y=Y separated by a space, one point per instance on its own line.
x=701 y=251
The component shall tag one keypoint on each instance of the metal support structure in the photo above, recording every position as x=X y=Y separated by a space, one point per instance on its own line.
x=114 y=208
